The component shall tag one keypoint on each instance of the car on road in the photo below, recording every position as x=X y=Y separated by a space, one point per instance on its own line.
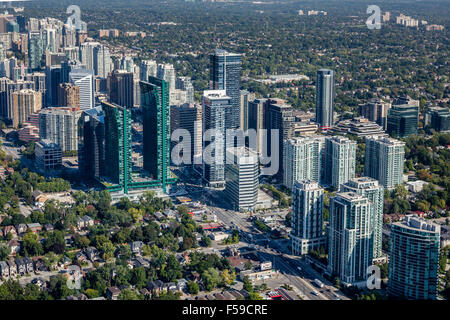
x=299 y=269
x=314 y=292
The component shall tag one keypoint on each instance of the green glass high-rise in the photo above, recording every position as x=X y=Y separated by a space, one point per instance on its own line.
x=402 y=120
x=156 y=120
x=118 y=162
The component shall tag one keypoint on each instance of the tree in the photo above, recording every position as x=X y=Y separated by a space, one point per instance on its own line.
x=193 y=287
x=227 y=278
x=128 y=294
x=211 y=278
x=248 y=284
x=4 y=253
x=82 y=242
x=254 y=296
x=92 y=293
x=183 y=210
x=31 y=245
x=55 y=242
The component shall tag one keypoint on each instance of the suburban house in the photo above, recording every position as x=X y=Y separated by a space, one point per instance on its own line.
x=4 y=269
x=12 y=268
x=85 y=222
x=21 y=266
x=136 y=246
x=35 y=227
x=21 y=229
x=39 y=198
x=92 y=254
x=14 y=246
x=28 y=264
x=155 y=287
x=113 y=293
x=9 y=229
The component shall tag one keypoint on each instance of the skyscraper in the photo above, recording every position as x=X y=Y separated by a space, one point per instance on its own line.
x=185 y=84
x=87 y=54
x=84 y=79
x=24 y=103
x=216 y=103
x=53 y=78
x=35 y=51
x=303 y=160
x=68 y=95
x=369 y=188
x=376 y=111
x=241 y=174
x=384 y=160
x=60 y=125
x=246 y=97
x=256 y=120
x=340 y=158
x=148 y=68
x=118 y=162
x=225 y=74
x=91 y=144
x=307 y=217
x=414 y=259
x=325 y=98
x=279 y=117
x=102 y=61
x=188 y=117
x=350 y=245
x=121 y=88
x=166 y=72
x=156 y=119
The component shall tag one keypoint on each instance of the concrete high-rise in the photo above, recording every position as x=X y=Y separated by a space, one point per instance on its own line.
x=241 y=174
x=307 y=217
x=68 y=95
x=148 y=68
x=370 y=188
x=414 y=259
x=350 y=245
x=167 y=73
x=384 y=160
x=24 y=103
x=340 y=159
x=60 y=125
x=102 y=61
x=245 y=98
x=376 y=111
x=121 y=88
x=185 y=84
x=303 y=160
x=325 y=98
x=225 y=74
